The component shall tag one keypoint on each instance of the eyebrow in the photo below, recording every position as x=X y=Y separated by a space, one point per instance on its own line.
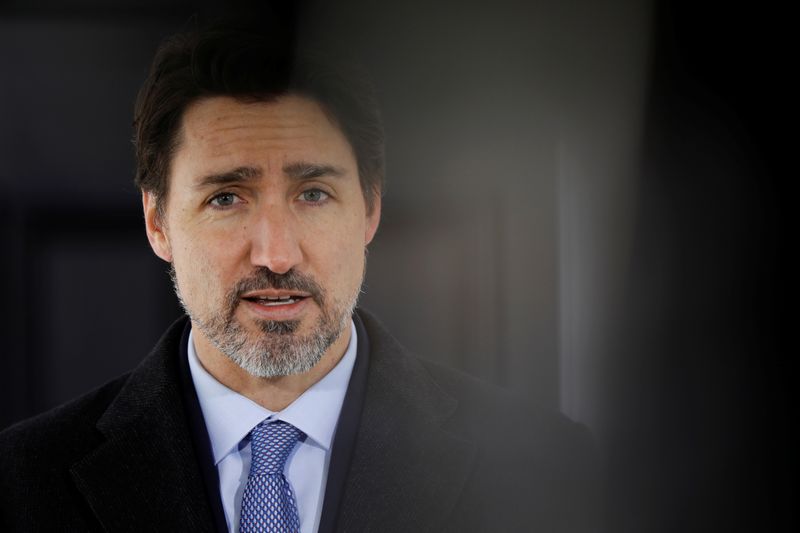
x=237 y=175
x=303 y=170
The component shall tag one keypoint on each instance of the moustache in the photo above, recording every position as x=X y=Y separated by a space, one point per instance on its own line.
x=264 y=278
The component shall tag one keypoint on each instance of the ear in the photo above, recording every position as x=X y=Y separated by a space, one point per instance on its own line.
x=373 y=220
x=154 y=226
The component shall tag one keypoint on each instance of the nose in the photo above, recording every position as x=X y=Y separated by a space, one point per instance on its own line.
x=274 y=243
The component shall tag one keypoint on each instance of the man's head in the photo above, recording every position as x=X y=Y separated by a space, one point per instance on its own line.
x=261 y=176
x=245 y=60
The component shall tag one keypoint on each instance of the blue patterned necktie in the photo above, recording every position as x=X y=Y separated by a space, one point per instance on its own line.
x=268 y=504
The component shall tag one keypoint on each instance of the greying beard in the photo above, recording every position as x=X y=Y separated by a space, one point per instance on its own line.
x=276 y=350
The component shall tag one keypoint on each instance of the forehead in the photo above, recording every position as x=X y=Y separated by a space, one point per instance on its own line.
x=221 y=131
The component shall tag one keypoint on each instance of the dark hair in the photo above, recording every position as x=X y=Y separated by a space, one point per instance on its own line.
x=251 y=65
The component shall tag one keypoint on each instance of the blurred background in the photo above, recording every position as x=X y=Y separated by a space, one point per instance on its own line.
x=586 y=203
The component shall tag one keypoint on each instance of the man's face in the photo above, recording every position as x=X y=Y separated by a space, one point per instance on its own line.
x=266 y=227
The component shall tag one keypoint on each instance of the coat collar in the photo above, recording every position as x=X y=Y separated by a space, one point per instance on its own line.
x=406 y=471
x=405 y=474
x=145 y=475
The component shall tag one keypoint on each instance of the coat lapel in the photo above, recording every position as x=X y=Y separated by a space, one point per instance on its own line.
x=407 y=471
x=144 y=476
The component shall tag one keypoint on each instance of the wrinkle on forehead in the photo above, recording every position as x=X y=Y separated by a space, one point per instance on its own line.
x=257 y=125
x=227 y=114
x=290 y=136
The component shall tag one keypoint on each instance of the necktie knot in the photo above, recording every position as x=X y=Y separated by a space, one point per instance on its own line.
x=271 y=443
x=268 y=503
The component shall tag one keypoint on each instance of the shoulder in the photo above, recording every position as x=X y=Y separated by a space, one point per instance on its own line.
x=528 y=458
x=545 y=466
x=59 y=435
x=36 y=457
x=486 y=411
x=72 y=427
x=481 y=409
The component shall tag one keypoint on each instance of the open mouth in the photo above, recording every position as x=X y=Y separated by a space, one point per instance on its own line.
x=275 y=301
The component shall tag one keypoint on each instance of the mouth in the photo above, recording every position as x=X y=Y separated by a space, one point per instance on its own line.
x=274 y=298
x=274 y=302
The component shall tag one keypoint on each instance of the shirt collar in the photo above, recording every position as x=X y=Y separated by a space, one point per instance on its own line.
x=315 y=412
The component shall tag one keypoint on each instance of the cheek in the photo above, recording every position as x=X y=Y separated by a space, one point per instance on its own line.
x=193 y=273
x=202 y=265
x=219 y=244
x=350 y=256
x=336 y=254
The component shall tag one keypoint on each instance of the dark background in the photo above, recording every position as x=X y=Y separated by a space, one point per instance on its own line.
x=587 y=202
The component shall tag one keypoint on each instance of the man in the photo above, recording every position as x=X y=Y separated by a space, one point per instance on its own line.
x=275 y=406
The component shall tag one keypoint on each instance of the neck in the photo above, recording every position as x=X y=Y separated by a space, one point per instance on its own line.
x=273 y=393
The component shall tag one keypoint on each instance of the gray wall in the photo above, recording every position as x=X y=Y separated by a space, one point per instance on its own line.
x=85 y=300
x=500 y=123
x=584 y=204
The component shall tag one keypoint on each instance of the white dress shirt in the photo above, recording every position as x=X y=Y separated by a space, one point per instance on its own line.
x=229 y=417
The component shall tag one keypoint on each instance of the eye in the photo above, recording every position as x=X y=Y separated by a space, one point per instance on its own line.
x=224 y=199
x=314 y=196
